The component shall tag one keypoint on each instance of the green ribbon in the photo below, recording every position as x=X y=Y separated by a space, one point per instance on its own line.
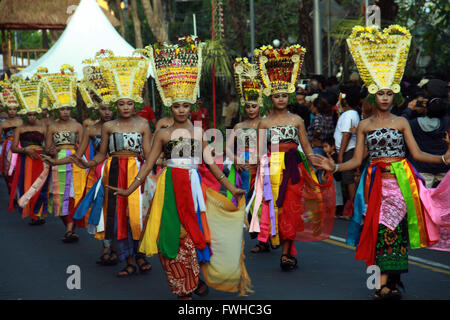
x=232 y=179
x=305 y=161
x=62 y=172
x=403 y=182
x=169 y=232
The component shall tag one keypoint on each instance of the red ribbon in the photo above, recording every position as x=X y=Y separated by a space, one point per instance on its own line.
x=368 y=241
x=185 y=206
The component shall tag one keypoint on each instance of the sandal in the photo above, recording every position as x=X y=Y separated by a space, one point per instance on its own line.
x=142 y=269
x=103 y=259
x=379 y=295
x=70 y=237
x=113 y=260
x=393 y=285
x=202 y=288
x=127 y=270
x=288 y=263
x=260 y=247
x=34 y=222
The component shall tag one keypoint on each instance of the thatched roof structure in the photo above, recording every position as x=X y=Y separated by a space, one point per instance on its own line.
x=40 y=14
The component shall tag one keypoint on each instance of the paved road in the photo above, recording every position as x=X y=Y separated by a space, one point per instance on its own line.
x=34 y=264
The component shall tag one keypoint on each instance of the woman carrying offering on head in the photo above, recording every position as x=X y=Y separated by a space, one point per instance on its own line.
x=31 y=177
x=389 y=211
x=177 y=226
x=62 y=139
x=288 y=203
x=7 y=158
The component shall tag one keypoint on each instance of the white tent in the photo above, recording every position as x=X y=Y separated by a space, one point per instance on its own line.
x=87 y=32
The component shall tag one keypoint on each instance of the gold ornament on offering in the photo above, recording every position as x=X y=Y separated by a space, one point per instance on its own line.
x=30 y=94
x=248 y=82
x=279 y=68
x=125 y=77
x=177 y=69
x=45 y=101
x=86 y=94
x=94 y=88
x=7 y=96
x=380 y=56
x=61 y=88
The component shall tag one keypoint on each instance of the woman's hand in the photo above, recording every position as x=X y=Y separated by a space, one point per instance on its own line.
x=31 y=153
x=53 y=150
x=118 y=191
x=324 y=176
x=241 y=164
x=322 y=162
x=80 y=162
x=238 y=193
x=47 y=159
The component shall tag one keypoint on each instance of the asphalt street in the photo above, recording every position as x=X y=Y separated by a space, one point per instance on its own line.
x=34 y=266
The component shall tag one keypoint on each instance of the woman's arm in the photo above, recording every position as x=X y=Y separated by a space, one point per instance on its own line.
x=49 y=148
x=346 y=136
x=414 y=149
x=303 y=138
x=85 y=137
x=15 y=143
x=329 y=164
x=101 y=154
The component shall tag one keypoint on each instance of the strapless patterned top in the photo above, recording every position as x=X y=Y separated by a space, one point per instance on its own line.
x=31 y=138
x=65 y=137
x=282 y=134
x=9 y=132
x=128 y=141
x=247 y=138
x=385 y=142
x=182 y=148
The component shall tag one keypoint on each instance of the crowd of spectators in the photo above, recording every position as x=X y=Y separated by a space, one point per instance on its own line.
x=332 y=111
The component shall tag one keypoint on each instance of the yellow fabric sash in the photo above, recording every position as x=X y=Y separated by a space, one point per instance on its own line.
x=276 y=167
x=134 y=201
x=226 y=269
x=149 y=241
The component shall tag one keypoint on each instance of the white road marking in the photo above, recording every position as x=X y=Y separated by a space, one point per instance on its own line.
x=412 y=258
